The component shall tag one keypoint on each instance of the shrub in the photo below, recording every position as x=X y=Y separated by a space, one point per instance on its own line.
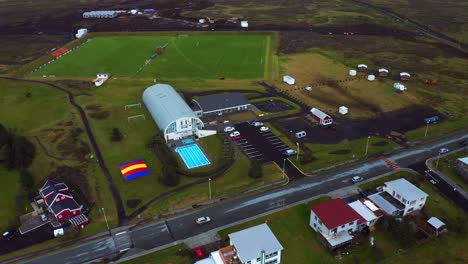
x=169 y=176
x=132 y=203
x=116 y=135
x=26 y=179
x=255 y=171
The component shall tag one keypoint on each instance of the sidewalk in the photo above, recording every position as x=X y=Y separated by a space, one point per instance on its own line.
x=449 y=181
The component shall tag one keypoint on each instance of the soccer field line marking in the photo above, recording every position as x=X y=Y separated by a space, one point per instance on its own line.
x=189 y=61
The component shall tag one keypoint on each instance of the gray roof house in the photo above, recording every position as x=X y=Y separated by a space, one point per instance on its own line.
x=400 y=197
x=257 y=244
x=221 y=103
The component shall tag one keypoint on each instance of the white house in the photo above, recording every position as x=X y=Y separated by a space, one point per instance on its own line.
x=362 y=67
x=81 y=32
x=371 y=77
x=256 y=245
x=289 y=80
x=404 y=76
x=399 y=198
x=383 y=72
x=335 y=222
x=352 y=72
x=409 y=195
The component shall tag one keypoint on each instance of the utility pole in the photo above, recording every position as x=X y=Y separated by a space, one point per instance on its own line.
x=367 y=145
x=298 y=149
x=284 y=163
x=105 y=218
x=209 y=186
x=427 y=128
x=437 y=162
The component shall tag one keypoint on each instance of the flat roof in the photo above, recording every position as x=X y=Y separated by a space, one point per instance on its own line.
x=363 y=211
x=222 y=101
x=435 y=222
x=250 y=242
x=388 y=207
x=464 y=160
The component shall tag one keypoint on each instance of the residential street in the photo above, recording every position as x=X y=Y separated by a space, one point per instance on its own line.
x=184 y=226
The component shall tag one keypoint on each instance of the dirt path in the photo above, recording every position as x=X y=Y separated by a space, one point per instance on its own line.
x=100 y=159
x=47 y=153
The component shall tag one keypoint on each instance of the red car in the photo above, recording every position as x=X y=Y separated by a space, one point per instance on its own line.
x=199 y=254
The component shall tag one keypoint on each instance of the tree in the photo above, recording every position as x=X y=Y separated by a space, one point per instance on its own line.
x=169 y=176
x=255 y=171
x=26 y=179
x=116 y=135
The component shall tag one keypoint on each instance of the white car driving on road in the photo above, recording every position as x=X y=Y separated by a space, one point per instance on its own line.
x=203 y=220
x=264 y=129
x=257 y=124
x=356 y=179
x=234 y=134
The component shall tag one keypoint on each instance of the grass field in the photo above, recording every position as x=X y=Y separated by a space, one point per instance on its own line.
x=165 y=256
x=210 y=56
x=7 y=196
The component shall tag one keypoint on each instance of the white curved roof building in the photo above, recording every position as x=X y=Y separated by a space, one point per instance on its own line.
x=171 y=113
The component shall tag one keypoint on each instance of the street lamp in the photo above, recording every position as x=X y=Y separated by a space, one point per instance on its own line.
x=427 y=128
x=437 y=162
x=209 y=186
x=367 y=145
x=298 y=150
x=284 y=163
x=105 y=218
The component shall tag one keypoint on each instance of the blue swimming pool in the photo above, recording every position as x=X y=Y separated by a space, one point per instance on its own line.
x=192 y=156
x=187 y=141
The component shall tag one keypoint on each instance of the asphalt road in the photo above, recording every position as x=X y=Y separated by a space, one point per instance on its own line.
x=441 y=185
x=184 y=226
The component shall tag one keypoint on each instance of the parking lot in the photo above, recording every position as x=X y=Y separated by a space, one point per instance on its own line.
x=263 y=146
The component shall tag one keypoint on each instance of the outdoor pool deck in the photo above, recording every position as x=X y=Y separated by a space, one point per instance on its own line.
x=192 y=156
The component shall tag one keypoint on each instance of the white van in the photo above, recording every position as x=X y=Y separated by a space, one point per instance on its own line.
x=289 y=152
x=300 y=134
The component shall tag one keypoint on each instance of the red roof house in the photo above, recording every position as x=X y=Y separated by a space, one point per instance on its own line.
x=321 y=117
x=61 y=203
x=335 y=221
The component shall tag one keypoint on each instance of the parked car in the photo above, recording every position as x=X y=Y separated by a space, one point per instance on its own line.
x=229 y=129
x=258 y=124
x=289 y=152
x=199 y=254
x=463 y=143
x=264 y=129
x=357 y=179
x=43 y=217
x=443 y=150
x=234 y=134
x=10 y=234
x=203 y=220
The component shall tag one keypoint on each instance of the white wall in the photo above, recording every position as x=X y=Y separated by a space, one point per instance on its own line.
x=410 y=206
x=320 y=227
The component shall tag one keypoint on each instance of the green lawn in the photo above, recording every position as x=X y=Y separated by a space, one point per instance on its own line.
x=8 y=196
x=235 y=180
x=324 y=153
x=22 y=105
x=165 y=256
x=208 y=56
x=446 y=167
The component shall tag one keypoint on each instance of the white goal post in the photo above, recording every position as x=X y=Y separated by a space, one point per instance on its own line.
x=132 y=105
x=130 y=118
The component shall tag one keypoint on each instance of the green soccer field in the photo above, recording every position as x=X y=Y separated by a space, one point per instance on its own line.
x=236 y=56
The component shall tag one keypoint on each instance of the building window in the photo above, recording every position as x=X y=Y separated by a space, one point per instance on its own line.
x=422 y=198
x=273 y=261
x=350 y=230
x=350 y=224
x=248 y=262
x=274 y=254
x=413 y=202
x=343 y=226
x=398 y=196
x=315 y=217
x=320 y=222
x=334 y=230
x=258 y=259
x=315 y=225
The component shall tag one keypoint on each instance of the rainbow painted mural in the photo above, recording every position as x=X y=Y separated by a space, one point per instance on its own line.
x=134 y=169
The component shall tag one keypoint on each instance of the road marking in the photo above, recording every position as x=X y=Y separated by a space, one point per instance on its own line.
x=256 y=156
x=281 y=148
x=250 y=152
x=279 y=142
x=390 y=163
x=274 y=140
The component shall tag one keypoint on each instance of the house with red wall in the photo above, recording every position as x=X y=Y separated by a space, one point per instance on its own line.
x=321 y=117
x=61 y=204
